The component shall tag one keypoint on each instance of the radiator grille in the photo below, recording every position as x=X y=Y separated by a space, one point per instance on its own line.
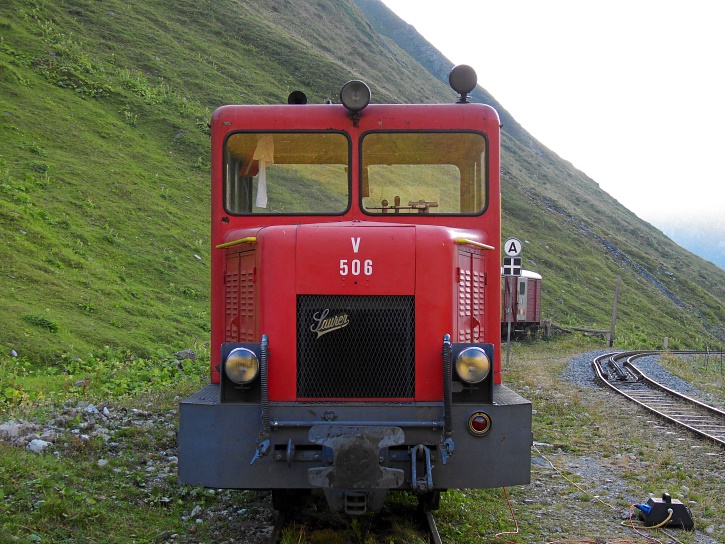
x=355 y=346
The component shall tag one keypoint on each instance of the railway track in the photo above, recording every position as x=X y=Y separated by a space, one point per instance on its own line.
x=423 y=519
x=430 y=526
x=618 y=372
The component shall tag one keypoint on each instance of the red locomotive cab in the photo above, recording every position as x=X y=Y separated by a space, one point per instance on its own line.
x=355 y=305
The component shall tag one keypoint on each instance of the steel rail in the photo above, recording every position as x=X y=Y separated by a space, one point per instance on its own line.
x=699 y=418
x=430 y=526
x=279 y=523
x=424 y=519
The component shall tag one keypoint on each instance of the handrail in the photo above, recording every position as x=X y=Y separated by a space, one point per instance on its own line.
x=466 y=241
x=247 y=240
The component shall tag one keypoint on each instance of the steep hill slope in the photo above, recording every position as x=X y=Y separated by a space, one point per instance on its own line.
x=580 y=238
x=104 y=172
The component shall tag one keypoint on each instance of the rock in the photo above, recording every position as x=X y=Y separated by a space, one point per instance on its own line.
x=15 y=429
x=102 y=462
x=37 y=445
x=10 y=429
x=196 y=512
x=50 y=435
x=539 y=461
x=185 y=354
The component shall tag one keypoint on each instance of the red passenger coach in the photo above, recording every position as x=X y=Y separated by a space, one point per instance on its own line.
x=521 y=303
x=355 y=304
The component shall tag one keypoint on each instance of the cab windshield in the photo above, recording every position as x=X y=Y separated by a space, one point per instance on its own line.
x=308 y=173
x=415 y=172
x=286 y=173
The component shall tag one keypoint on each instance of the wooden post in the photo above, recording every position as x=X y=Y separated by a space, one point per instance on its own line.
x=614 y=312
x=547 y=328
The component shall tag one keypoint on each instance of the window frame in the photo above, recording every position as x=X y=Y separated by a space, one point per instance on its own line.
x=224 y=171
x=485 y=172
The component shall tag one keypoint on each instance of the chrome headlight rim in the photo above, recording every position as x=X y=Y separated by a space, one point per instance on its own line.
x=241 y=366
x=473 y=365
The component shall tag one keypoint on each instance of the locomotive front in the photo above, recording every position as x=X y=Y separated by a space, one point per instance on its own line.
x=355 y=306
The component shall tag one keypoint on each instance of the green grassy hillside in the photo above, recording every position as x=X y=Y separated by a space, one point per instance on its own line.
x=104 y=191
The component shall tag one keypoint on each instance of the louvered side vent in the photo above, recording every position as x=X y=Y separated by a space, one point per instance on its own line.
x=464 y=306
x=478 y=282
x=471 y=307
x=355 y=347
x=239 y=297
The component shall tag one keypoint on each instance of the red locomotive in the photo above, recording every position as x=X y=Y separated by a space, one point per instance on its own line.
x=355 y=304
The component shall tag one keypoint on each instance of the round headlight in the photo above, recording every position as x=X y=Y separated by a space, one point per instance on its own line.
x=355 y=95
x=473 y=365
x=241 y=366
x=462 y=79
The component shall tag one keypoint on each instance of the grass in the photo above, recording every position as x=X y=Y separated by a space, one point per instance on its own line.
x=100 y=205
x=704 y=372
x=109 y=375
x=65 y=495
x=88 y=489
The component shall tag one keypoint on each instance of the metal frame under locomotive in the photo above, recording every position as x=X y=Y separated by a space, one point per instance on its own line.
x=443 y=432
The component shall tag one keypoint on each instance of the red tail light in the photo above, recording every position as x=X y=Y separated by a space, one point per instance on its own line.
x=479 y=423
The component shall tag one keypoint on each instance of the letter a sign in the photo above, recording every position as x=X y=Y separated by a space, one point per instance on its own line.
x=512 y=264
x=512 y=247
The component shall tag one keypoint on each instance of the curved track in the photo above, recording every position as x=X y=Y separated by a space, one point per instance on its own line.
x=617 y=371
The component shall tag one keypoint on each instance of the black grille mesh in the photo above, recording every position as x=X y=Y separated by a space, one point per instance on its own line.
x=371 y=356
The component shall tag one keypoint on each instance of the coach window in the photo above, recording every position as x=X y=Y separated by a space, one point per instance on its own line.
x=423 y=172
x=286 y=173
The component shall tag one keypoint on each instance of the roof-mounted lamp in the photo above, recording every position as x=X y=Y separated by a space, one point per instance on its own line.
x=355 y=96
x=463 y=80
x=297 y=97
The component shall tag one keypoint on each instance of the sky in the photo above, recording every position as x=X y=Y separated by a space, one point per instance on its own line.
x=631 y=92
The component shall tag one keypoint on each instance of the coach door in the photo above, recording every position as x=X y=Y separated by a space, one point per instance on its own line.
x=521 y=300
